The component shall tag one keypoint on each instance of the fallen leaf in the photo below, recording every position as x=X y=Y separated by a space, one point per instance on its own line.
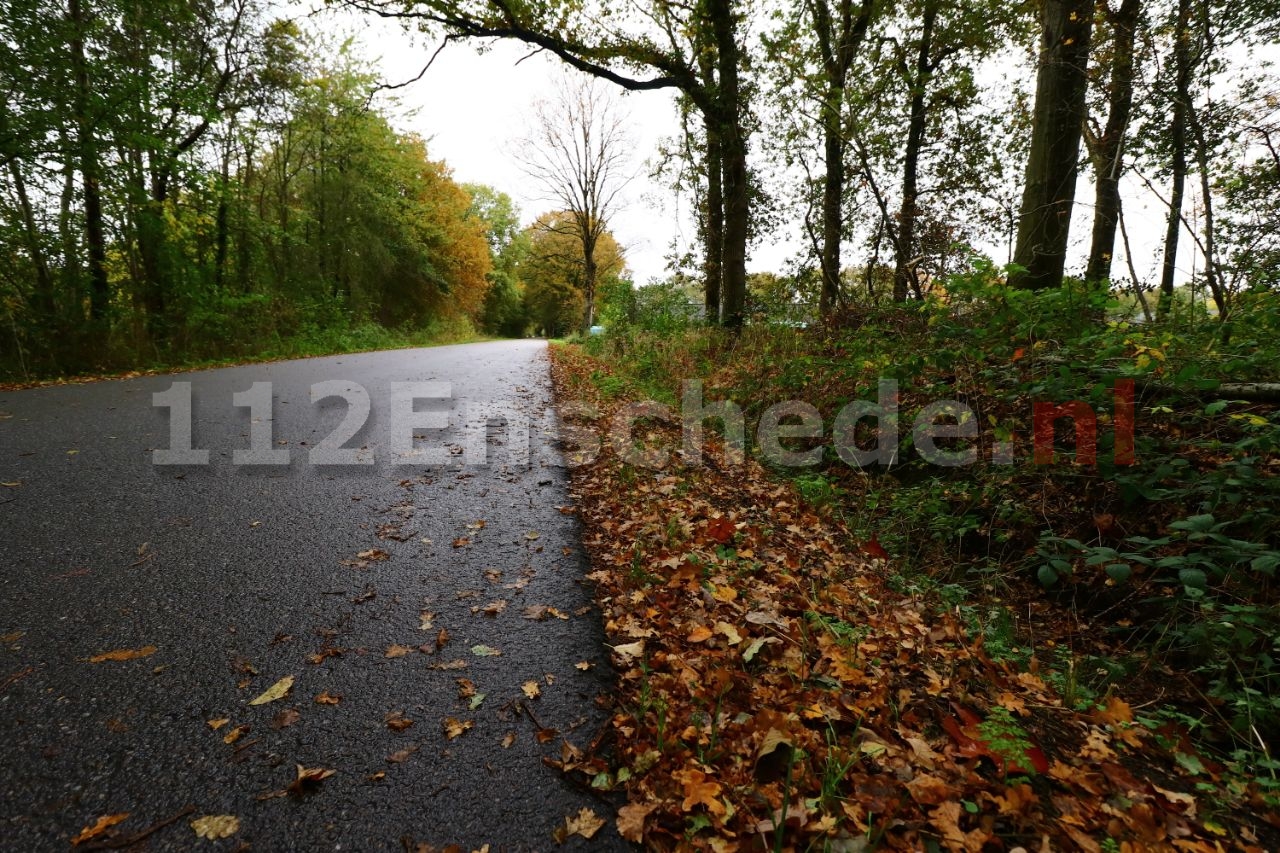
x=100 y=826
x=214 y=827
x=376 y=555
x=124 y=654
x=508 y=739
x=402 y=755
x=699 y=790
x=461 y=542
x=427 y=617
x=286 y=718
x=583 y=665
x=235 y=734
x=395 y=650
x=532 y=534
x=585 y=823
x=454 y=728
x=218 y=723
x=485 y=651
x=629 y=651
x=701 y=634
x=631 y=820
x=308 y=780
x=275 y=692
x=397 y=722
x=327 y=698
x=531 y=689
x=493 y=608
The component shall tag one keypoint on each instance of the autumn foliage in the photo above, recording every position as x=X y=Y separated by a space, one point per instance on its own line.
x=774 y=693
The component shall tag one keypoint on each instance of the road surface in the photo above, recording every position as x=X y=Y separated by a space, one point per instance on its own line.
x=341 y=576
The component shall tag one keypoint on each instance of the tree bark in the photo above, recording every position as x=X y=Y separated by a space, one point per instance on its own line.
x=87 y=154
x=905 y=245
x=713 y=225
x=1178 y=154
x=737 y=207
x=1108 y=149
x=1052 y=165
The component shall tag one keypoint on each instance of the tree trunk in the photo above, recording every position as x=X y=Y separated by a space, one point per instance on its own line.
x=42 y=299
x=1052 y=165
x=832 y=197
x=737 y=208
x=589 y=274
x=1108 y=150
x=1178 y=154
x=95 y=233
x=911 y=159
x=713 y=225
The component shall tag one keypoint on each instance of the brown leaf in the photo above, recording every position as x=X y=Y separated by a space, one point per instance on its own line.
x=327 y=698
x=123 y=654
x=531 y=689
x=218 y=723
x=376 y=555
x=402 y=755
x=397 y=722
x=454 y=728
x=308 y=780
x=395 y=650
x=98 y=827
x=631 y=820
x=286 y=718
x=235 y=734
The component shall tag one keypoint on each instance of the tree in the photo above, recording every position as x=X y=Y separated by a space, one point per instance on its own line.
x=1053 y=162
x=660 y=44
x=577 y=151
x=504 y=311
x=554 y=275
x=1106 y=144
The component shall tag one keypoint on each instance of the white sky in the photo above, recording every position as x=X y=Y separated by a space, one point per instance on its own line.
x=472 y=107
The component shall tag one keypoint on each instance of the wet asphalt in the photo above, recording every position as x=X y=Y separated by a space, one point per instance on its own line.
x=240 y=575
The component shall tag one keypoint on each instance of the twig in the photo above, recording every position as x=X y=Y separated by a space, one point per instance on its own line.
x=130 y=840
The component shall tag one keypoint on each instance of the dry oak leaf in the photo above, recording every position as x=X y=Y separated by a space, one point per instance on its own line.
x=699 y=790
x=631 y=820
x=327 y=698
x=123 y=654
x=585 y=823
x=217 y=826
x=98 y=827
x=455 y=728
x=275 y=692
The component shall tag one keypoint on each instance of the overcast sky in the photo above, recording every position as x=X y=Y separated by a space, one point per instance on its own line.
x=472 y=108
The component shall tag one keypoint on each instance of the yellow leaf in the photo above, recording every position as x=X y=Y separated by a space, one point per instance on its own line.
x=531 y=689
x=124 y=654
x=216 y=826
x=276 y=691
x=730 y=633
x=218 y=723
x=627 y=651
x=100 y=826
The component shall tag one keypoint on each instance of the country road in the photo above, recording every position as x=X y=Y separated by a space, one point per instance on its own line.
x=398 y=585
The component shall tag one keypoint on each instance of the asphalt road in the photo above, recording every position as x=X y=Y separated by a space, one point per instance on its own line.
x=235 y=574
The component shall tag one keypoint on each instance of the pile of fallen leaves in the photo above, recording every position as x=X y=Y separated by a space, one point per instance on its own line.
x=774 y=693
